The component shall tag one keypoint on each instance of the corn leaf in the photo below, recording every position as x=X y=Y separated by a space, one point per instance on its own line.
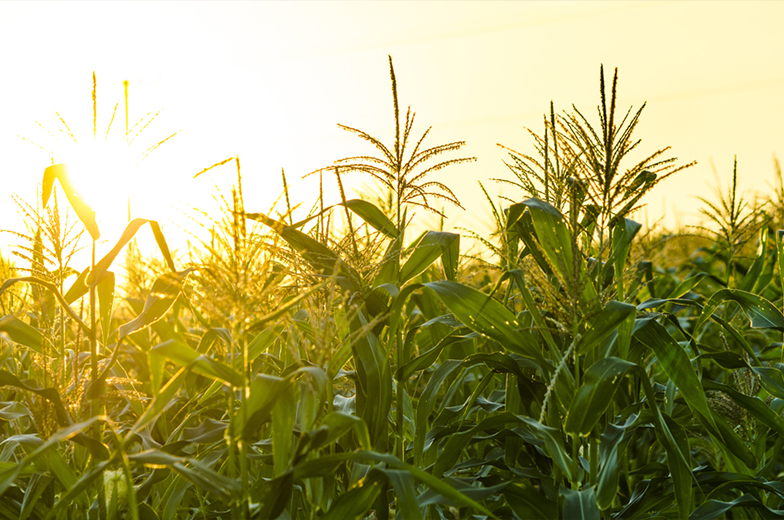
x=761 y=313
x=373 y=216
x=163 y=293
x=22 y=333
x=485 y=315
x=82 y=209
x=130 y=231
x=431 y=246
x=581 y=505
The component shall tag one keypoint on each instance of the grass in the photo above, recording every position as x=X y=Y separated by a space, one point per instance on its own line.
x=584 y=368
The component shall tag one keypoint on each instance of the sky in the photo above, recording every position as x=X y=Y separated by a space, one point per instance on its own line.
x=269 y=82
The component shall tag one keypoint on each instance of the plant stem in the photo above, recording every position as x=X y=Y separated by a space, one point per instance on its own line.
x=93 y=343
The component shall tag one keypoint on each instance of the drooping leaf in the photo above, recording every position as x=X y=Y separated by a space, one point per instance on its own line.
x=487 y=316
x=52 y=288
x=373 y=216
x=676 y=364
x=184 y=356
x=163 y=293
x=105 y=263
x=756 y=407
x=762 y=313
x=82 y=209
x=712 y=509
x=22 y=333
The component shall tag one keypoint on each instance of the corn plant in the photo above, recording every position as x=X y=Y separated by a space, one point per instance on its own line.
x=307 y=369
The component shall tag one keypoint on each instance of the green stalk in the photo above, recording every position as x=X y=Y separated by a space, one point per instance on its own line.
x=230 y=438
x=93 y=343
x=594 y=456
x=242 y=444
x=400 y=388
x=780 y=257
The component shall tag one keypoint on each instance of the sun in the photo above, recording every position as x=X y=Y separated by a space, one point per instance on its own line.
x=107 y=168
x=102 y=173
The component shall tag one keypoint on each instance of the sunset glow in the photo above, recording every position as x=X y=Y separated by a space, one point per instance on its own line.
x=406 y=260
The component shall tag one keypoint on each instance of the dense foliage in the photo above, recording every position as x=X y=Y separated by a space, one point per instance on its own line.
x=581 y=369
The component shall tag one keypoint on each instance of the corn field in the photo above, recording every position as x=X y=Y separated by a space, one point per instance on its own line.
x=336 y=367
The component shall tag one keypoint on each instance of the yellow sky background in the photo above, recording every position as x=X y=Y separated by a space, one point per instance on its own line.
x=270 y=81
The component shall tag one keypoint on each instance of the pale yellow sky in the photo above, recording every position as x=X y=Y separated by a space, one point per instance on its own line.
x=270 y=81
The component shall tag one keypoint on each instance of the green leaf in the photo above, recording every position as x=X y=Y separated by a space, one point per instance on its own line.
x=22 y=333
x=581 y=505
x=712 y=509
x=373 y=216
x=82 y=209
x=105 y=302
x=97 y=449
x=284 y=414
x=604 y=324
x=753 y=276
x=374 y=391
x=451 y=259
x=686 y=285
x=624 y=232
x=485 y=315
x=533 y=309
x=184 y=356
x=427 y=250
x=162 y=398
x=207 y=432
x=265 y=391
x=426 y=403
x=328 y=464
x=552 y=438
x=314 y=252
x=52 y=289
x=78 y=488
x=676 y=364
x=338 y=424
x=358 y=500
x=761 y=411
x=427 y=359
x=610 y=452
x=771 y=379
x=390 y=264
x=404 y=485
x=163 y=294
x=762 y=313
x=600 y=383
x=519 y=223
x=556 y=241
x=191 y=469
x=8 y=476
x=130 y=231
